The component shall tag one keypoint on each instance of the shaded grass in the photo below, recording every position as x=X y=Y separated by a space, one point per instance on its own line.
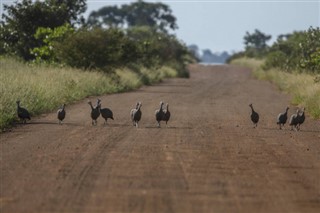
x=42 y=88
x=303 y=87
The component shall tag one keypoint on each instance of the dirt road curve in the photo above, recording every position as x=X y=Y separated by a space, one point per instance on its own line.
x=209 y=159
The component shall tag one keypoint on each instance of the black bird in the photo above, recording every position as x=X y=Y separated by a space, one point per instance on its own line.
x=61 y=113
x=294 y=120
x=132 y=113
x=254 y=116
x=95 y=113
x=282 y=118
x=301 y=119
x=136 y=114
x=159 y=114
x=166 y=114
x=23 y=114
x=106 y=113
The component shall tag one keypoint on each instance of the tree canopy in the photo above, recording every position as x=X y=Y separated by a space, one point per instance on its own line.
x=22 y=19
x=256 y=42
x=140 y=13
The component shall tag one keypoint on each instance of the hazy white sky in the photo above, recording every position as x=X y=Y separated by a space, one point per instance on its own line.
x=221 y=25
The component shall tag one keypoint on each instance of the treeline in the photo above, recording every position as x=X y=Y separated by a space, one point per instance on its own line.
x=55 y=32
x=294 y=52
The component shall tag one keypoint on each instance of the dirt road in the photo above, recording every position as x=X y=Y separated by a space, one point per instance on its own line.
x=209 y=158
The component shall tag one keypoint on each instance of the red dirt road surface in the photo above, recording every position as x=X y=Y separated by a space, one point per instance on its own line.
x=208 y=159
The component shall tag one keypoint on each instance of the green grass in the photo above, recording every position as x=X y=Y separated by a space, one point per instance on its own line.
x=303 y=87
x=42 y=88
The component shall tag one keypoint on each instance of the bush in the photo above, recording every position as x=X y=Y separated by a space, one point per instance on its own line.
x=96 y=49
x=276 y=59
x=299 y=51
x=49 y=37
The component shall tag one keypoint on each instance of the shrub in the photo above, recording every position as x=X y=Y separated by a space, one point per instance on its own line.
x=49 y=37
x=95 y=49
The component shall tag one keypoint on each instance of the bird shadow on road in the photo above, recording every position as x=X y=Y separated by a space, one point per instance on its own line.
x=35 y=123
x=116 y=125
x=172 y=92
x=169 y=127
x=287 y=130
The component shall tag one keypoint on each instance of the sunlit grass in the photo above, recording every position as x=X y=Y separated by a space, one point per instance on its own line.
x=43 y=88
x=248 y=62
x=304 y=89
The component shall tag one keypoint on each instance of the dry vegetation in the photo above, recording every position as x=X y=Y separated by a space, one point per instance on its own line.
x=44 y=88
x=304 y=88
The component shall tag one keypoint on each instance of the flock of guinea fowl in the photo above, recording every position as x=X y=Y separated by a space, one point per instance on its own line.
x=295 y=120
x=161 y=114
x=135 y=114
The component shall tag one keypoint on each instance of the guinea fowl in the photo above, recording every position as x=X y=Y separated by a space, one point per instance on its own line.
x=166 y=114
x=294 y=120
x=95 y=113
x=23 y=114
x=61 y=114
x=159 y=114
x=254 y=116
x=132 y=113
x=106 y=113
x=301 y=119
x=282 y=118
x=136 y=114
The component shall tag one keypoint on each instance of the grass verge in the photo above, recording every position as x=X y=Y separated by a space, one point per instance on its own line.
x=43 y=88
x=304 y=88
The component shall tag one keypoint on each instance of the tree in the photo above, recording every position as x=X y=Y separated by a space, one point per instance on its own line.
x=194 y=50
x=49 y=37
x=298 y=51
x=22 y=19
x=107 y=17
x=140 y=13
x=256 y=43
x=310 y=50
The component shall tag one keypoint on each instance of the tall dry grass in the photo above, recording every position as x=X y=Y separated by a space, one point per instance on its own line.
x=43 y=88
x=303 y=87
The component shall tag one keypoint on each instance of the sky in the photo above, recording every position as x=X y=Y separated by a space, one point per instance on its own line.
x=220 y=25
